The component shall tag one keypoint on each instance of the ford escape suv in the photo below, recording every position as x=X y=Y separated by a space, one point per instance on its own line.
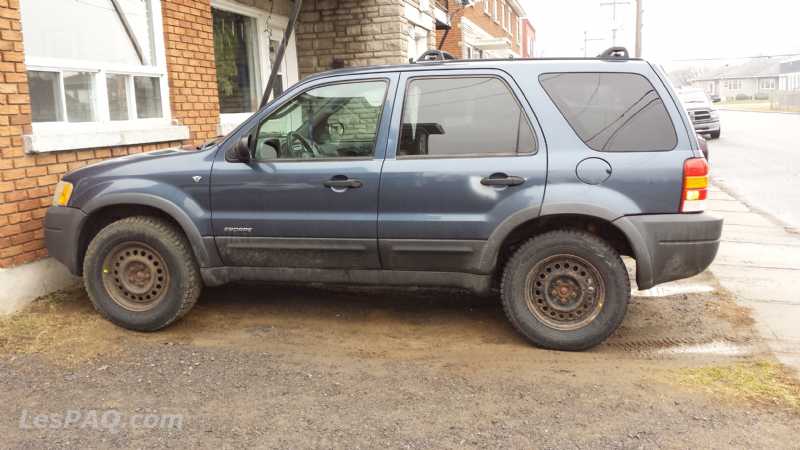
x=529 y=177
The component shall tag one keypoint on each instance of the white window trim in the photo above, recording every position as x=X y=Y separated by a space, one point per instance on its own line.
x=502 y=15
x=486 y=7
x=57 y=136
x=229 y=121
x=495 y=9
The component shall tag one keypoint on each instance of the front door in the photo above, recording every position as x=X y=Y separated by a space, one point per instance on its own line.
x=309 y=197
x=466 y=155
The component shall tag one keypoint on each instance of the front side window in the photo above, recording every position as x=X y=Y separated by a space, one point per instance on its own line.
x=476 y=116
x=612 y=112
x=334 y=121
x=91 y=60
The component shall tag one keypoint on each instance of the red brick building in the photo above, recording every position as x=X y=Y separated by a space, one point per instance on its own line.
x=528 y=38
x=482 y=29
x=86 y=80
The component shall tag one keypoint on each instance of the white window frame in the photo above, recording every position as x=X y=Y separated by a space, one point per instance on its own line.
x=502 y=15
x=766 y=84
x=229 y=121
x=103 y=132
x=495 y=9
x=486 y=7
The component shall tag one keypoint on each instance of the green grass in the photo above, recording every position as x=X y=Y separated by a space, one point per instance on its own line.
x=760 y=381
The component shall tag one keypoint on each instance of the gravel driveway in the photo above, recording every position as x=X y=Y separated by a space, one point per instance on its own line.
x=272 y=366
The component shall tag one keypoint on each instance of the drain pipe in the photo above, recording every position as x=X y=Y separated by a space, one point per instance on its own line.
x=281 y=50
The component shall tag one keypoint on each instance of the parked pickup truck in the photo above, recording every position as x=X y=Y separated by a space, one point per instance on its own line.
x=703 y=115
x=527 y=177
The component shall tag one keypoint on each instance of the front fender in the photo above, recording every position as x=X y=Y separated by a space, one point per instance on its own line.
x=204 y=249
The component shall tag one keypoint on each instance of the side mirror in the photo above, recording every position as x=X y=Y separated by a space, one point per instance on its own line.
x=240 y=151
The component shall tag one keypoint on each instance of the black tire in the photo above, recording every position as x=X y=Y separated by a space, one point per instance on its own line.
x=715 y=134
x=565 y=262
x=162 y=252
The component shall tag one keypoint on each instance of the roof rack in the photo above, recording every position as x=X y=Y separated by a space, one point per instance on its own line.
x=614 y=53
x=435 y=55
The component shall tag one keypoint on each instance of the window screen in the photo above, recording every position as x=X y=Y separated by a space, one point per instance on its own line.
x=613 y=112
x=463 y=116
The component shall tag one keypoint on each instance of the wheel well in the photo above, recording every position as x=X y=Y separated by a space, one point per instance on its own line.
x=599 y=227
x=103 y=217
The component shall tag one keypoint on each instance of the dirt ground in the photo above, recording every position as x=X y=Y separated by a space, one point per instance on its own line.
x=298 y=367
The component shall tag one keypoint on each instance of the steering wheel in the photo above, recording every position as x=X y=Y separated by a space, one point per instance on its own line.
x=309 y=149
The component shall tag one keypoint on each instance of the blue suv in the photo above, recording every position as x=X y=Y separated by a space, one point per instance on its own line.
x=527 y=177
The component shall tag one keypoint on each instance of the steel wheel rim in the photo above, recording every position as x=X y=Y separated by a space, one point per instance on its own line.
x=135 y=276
x=565 y=292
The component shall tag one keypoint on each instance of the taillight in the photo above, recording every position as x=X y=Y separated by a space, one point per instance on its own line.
x=695 y=185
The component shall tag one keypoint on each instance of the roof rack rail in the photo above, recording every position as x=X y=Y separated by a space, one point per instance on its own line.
x=614 y=53
x=435 y=55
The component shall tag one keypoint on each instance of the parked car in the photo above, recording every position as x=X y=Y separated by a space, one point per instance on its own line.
x=527 y=177
x=704 y=117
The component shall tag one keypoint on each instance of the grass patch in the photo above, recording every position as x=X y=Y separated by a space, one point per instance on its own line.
x=760 y=381
x=62 y=326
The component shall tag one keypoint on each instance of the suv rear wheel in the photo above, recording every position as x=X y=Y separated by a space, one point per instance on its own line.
x=565 y=290
x=140 y=273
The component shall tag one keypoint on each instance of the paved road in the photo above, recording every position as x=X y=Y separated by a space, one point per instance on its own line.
x=758 y=160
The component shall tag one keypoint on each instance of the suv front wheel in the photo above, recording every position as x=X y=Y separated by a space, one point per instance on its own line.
x=141 y=274
x=565 y=290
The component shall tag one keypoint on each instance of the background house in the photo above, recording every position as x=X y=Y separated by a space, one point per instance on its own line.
x=482 y=29
x=789 y=76
x=528 y=38
x=755 y=79
x=77 y=87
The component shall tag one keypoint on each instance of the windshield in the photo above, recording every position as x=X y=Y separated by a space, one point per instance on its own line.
x=693 y=97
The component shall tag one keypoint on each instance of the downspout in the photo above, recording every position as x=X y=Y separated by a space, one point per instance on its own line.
x=281 y=50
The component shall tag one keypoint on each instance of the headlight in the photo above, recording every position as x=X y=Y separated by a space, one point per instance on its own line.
x=62 y=194
x=714 y=114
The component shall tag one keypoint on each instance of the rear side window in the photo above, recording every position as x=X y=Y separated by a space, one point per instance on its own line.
x=612 y=112
x=463 y=116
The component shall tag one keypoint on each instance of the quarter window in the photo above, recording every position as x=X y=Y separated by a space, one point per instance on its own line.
x=463 y=116
x=613 y=112
x=334 y=121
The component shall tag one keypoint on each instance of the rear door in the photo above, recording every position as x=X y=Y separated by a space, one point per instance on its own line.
x=309 y=197
x=463 y=155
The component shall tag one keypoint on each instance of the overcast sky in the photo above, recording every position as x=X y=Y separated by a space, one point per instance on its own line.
x=673 y=29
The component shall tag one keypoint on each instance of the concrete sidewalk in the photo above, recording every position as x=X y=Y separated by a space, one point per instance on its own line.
x=759 y=263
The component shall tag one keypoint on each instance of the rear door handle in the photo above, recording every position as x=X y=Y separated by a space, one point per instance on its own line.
x=501 y=179
x=342 y=182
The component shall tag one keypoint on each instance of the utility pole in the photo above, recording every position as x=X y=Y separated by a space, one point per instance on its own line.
x=586 y=40
x=638 y=51
x=613 y=4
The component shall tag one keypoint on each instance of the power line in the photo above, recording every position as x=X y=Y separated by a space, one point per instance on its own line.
x=737 y=57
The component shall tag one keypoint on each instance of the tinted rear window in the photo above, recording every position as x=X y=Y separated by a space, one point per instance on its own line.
x=612 y=112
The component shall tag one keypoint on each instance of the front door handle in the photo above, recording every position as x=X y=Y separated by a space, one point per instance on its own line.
x=342 y=182
x=501 y=179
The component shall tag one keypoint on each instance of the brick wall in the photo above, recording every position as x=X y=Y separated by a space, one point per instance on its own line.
x=189 y=42
x=452 y=40
x=27 y=181
x=359 y=32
